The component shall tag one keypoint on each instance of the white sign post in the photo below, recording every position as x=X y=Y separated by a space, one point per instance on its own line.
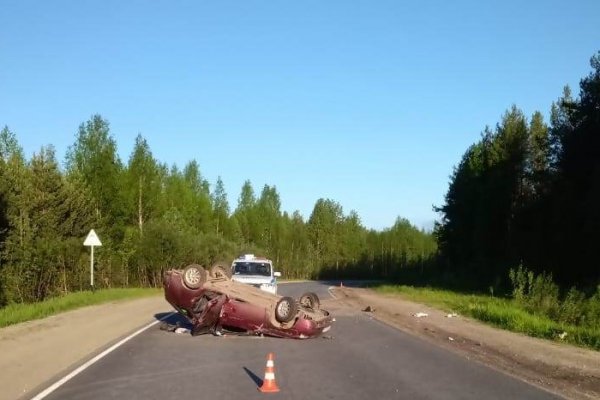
x=92 y=240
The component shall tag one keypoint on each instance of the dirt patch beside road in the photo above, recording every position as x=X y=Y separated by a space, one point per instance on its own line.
x=563 y=369
x=33 y=352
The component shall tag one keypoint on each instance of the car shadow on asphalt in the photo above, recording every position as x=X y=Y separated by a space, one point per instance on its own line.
x=173 y=319
x=254 y=377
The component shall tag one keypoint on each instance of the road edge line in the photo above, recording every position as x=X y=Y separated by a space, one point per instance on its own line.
x=89 y=363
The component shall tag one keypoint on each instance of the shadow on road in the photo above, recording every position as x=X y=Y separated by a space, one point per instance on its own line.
x=253 y=376
x=173 y=319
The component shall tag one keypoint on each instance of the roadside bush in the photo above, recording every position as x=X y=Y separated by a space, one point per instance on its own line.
x=573 y=307
x=592 y=309
x=536 y=293
x=543 y=296
x=588 y=336
x=521 y=281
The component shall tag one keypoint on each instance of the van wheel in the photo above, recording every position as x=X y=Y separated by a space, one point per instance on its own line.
x=194 y=276
x=286 y=309
x=310 y=300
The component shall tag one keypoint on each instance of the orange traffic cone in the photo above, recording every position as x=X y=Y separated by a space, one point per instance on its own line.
x=269 y=385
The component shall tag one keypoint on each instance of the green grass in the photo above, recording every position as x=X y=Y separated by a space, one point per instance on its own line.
x=500 y=312
x=16 y=313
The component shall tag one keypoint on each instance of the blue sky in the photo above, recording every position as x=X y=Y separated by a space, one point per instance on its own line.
x=369 y=103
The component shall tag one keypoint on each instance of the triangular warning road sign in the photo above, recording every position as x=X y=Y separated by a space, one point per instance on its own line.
x=92 y=239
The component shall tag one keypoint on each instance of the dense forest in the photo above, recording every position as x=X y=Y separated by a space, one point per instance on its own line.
x=522 y=206
x=151 y=217
x=528 y=194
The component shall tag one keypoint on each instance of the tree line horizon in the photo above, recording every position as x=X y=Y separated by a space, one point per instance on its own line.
x=526 y=194
x=152 y=217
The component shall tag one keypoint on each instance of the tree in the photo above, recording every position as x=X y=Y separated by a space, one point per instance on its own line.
x=144 y=183
x=268 y=219
x=296 y=257
x=539 y=160
x=576 y=139
x=324 y=229
x=40 y=250
x=353 y=238
x=220 y=207
x=12 y=169
x=93 y=159
x=245 y=213
x=528 y=193
x=201 y=205
x=560 y=126
x=10 y=152
x=478 y=234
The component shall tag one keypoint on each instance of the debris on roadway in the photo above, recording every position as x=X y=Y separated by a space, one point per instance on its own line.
x=562 y=335
x=420 y=315
x=165 y=326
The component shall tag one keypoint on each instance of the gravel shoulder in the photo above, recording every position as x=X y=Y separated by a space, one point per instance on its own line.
x=36 y=352
x=563 y=369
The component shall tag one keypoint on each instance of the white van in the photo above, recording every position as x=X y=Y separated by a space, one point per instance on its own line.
x=255 y=271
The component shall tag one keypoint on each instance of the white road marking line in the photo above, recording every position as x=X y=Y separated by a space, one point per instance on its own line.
x=88 y=364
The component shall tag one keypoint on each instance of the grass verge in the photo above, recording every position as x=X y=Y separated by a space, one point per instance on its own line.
x=500 y=312
x=16 y=313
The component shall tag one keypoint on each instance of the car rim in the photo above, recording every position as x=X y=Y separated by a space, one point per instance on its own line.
x=284 y=309
x=193 y=276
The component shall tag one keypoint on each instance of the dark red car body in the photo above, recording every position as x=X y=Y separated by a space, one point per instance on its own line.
x=222 y=304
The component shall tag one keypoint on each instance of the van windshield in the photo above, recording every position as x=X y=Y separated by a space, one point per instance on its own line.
x=252 y=268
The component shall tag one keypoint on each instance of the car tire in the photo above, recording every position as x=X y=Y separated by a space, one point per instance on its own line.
x=310 y=300
x=194 y=276
x=220 y=270
x=286 y=309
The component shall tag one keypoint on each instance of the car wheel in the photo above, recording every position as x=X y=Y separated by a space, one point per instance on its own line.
x=286 y=309
x=194 y=276
x=310 y=300
x=220 y=270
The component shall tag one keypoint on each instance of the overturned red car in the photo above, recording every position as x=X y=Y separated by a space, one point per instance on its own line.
x=213 y=303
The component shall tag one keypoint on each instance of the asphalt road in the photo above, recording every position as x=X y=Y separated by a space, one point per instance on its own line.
x=361 y=359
